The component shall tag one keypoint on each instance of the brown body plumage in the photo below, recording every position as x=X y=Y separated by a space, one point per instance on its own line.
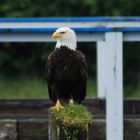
x=66 y=75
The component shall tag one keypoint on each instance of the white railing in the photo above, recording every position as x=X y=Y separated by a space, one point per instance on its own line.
x=108 y=32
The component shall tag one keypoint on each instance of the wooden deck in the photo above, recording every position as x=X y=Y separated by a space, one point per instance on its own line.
x=28 y=119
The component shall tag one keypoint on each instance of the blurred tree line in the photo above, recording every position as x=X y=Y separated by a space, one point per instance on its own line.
x=30 y=57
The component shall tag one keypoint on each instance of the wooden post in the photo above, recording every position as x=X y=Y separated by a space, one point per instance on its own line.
x=114 y=96
x=67 y=128
x=58 y=131
x=101 y=68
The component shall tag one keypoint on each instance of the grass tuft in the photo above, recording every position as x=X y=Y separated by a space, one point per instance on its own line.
x=71 y=115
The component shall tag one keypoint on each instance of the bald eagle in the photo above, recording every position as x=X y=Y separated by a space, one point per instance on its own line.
x=66 y=70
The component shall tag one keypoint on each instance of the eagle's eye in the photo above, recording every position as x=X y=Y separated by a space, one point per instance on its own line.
x=62 y=32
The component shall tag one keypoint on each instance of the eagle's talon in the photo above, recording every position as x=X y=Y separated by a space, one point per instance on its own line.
x=58 y=106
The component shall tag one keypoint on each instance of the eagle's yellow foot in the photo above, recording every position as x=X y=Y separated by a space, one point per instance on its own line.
x=58 y=106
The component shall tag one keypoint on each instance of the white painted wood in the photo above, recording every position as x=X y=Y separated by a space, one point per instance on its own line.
x=100 y=25
x=114 y=96
x=101 y=68
x=69 y=24
x=132 y=36
x=46 y=37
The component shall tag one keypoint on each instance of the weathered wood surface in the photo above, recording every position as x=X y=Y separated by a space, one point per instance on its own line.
x=28 y=119
x=25 y=109
x=69 y=132
x=32 y=129
x=36 y=129
x=8 y=130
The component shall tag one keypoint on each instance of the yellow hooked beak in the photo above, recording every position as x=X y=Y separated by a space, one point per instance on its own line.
x=57 y=35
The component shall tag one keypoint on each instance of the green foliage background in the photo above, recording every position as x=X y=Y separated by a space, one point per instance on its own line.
x=28 y=59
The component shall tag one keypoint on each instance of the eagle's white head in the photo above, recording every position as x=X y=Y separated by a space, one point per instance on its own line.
x=65 y=37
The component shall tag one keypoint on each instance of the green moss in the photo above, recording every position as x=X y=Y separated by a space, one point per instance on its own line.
x=71 y=114
x=71 y=122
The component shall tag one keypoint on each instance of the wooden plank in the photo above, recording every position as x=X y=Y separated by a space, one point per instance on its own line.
x=32 y=129
x=8 y=130
x=25 y=109
x=36 y=129
x=89 y=29
x=132 y=129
